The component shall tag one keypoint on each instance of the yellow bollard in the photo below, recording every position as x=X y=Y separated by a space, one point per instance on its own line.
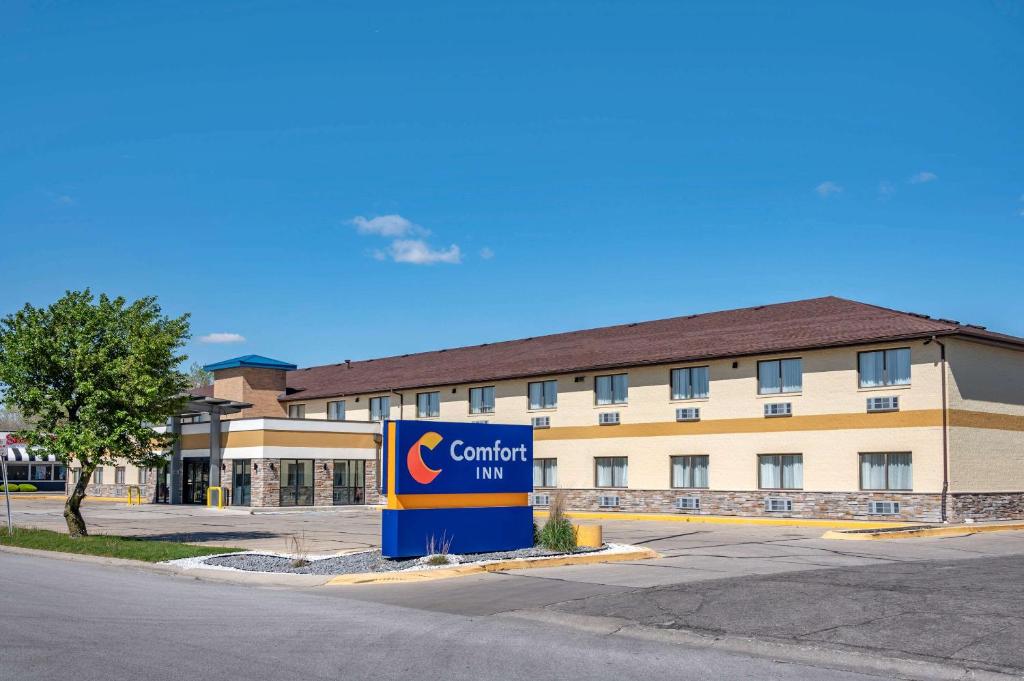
x=220 y=496
x=136 y=493
x=589 y=536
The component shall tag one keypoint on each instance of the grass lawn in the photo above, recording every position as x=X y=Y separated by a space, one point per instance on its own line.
x=107 y=545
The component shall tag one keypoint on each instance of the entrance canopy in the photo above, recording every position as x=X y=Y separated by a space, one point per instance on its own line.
x=20 y=453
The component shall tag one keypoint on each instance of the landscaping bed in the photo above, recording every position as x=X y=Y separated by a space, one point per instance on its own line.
x=362 y=562
x=133 y=548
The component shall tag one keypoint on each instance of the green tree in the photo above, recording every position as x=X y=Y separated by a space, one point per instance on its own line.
x=198 y=377
x=91 y=375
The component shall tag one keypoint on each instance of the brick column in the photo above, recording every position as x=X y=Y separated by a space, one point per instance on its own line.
x=266 y=483
x=323 y=482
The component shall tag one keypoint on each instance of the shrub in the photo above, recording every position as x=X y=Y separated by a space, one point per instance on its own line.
x=558 y=533
x=8 y=488
x=25 y=487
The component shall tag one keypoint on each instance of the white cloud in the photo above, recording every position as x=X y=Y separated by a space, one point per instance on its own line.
x=64 y=200
x=387 y=225
x=923 y=177
x=486 y=253
x=827 y=189
x=418 y=252
x=886 y=188
x=222 y=337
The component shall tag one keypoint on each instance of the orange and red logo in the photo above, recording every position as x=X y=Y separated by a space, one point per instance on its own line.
x=421 y=472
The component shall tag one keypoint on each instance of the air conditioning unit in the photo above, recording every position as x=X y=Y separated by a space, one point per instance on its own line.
x=772 y=409
x=688 y=414
x=891 y=403
x=778 y=505
x=481 y=421
x=608 y=418
x=883 y=507
x=608 y=502
x=541 y=500
x=541 y=421
x=688 y=503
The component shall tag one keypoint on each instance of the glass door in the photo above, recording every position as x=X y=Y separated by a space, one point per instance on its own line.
x=241 y=482
x=296 y=482
x=195 y=480
x=349 y=482
x=163 y=483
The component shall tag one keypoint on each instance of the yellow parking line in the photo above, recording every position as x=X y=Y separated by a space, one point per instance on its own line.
x=913 y=533
x=732 y=520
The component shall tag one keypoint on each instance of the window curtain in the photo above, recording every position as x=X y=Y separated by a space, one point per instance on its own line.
x=792 y=471
x=536 y=396
x=538 y=473
x=872 y=369
x=768 y=379
x=488 y=399
x=620 y=387
x=680 y=384
x=476 y=400
x=700 y=471
x=872 y=471
x=900 y=472
x=898 y=365
x=550 y=394
x=792 y=375
x=680 y=472
x=770 y=478
x=699 y=381
x=604 y=472
x=620 y=472
x=603 y=387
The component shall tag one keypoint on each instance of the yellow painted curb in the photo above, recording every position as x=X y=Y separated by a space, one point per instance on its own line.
x=497 y=566
x=732 y=520
x=913 y=533
x=60 y=497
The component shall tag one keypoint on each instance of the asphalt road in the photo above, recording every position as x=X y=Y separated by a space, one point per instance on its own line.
x=62 y=619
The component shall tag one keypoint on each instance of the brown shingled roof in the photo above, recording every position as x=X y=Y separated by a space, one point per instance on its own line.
x=766 y=329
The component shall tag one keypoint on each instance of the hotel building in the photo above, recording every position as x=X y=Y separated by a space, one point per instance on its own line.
x=822 y=408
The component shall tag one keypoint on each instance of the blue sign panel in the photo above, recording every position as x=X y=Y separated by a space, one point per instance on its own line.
x=461 y=484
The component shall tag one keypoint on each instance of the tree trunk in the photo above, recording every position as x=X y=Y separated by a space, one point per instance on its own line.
x=72 y=514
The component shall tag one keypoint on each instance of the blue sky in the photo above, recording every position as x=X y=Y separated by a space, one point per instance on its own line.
x=350 y=180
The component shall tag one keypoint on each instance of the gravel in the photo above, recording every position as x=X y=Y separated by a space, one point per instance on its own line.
x=365 y=561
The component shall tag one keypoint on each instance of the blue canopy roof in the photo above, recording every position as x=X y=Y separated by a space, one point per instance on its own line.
x=251 y=361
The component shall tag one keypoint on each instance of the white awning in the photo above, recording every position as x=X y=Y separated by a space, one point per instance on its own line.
x=22 y=454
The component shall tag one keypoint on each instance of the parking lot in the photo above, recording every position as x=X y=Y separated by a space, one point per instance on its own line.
x=947 y=600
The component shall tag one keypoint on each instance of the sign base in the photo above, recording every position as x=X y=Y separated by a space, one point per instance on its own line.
x=469 y=530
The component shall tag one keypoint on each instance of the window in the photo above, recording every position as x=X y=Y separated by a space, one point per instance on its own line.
x=296 y=411
x=41 y=472
x=886 y=471
x=336 y=410
x=143 y=476
x=97 y=476
x=689 y=384
x=349 y=482
x=690 y=471
x=612 y=471
x=75 y=474
x=884 y=367
x=612 y=389
x=780 y=376
x=545 y=472
x=17 y=472
x=119 y=475
x=380 y=408
x=543 y=394
x=780 y=471
x=428 y=405
x=481 y=400
x=60 y=472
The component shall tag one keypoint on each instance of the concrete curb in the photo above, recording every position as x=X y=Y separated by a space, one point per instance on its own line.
x=812 y=654
x=732 y=520
x=915 y=532
x=497 y=566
